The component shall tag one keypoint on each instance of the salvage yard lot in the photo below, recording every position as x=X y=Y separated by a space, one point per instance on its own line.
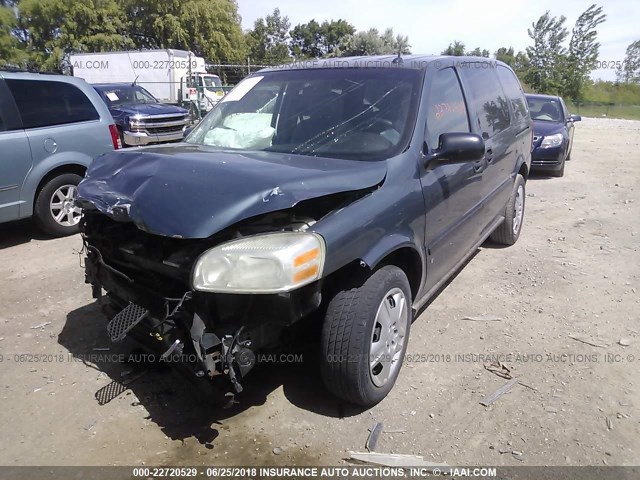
x=572 y=278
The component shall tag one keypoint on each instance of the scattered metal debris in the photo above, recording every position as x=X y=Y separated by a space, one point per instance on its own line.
x=578 y=339
x=374 y=434
x=89 y=427
x=489 y=399
x=609 y=423
x=484 y=318
x=40 y=326
x=499 y=369
x=528 y=386
x=398 y=460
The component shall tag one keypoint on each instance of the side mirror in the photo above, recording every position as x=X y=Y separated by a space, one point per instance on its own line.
x=187 y=130
x=458 y=147
x=574 y=118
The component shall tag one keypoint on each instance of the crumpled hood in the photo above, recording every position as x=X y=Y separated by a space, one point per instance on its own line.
x=193 y=191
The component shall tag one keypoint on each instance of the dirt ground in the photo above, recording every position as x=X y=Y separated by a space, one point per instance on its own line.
x=573 y=273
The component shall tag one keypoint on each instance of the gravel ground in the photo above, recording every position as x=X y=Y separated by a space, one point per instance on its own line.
x=571 y=279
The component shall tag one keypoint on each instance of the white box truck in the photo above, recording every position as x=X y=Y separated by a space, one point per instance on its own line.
x=172 y=76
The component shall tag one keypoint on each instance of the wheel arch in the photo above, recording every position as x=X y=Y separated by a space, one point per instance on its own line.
x=45 y=171
x=392 y=250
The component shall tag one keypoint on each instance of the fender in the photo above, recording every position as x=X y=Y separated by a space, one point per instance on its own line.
x=392 y=243
x=41 y=170
x=521 y=160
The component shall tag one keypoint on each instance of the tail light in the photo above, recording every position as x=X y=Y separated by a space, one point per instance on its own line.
x=115 y=137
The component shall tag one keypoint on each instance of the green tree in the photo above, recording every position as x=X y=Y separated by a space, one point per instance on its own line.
x=51 y=29
x=401 y=45
x=209 y=28
x=372 y=42
x=476 y=52
x=314 y=40
x=336 y=33
x=11 y=51
x=307 y=40
x=547 y=55
x=583 y=52
x=506 y=55
x=518 y=61
x=456 y=49
x=629 y=70
x=269 y=39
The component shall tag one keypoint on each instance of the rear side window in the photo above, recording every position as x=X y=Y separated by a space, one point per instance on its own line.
x=2 y=124
x=447 y=110
x=47 y=103
x=486 y=97
x=514 y=93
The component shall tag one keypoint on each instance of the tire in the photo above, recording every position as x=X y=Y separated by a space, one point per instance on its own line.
x=507 y=233
x=351 y=326
x=559 y=173
x=43 y=211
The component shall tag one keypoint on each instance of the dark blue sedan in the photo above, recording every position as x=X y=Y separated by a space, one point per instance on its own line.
x=552 y=133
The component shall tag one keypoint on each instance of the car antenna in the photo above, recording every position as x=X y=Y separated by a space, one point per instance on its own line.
x=135 y=81
x=398 y=59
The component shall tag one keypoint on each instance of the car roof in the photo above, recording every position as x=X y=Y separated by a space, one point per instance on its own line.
x=112 y=85
x=419 y=62
x=46 y=76
x=542 y=97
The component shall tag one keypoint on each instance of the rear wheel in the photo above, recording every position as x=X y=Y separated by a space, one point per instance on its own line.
x=365 y=335
x=54 y=211
x=509 y=230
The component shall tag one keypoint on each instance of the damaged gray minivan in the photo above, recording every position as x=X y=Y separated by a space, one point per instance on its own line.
x=339 y=194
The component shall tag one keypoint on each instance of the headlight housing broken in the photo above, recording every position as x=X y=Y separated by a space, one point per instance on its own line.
x=266 y=263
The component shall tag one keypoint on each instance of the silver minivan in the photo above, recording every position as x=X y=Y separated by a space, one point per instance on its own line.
x=51 y=128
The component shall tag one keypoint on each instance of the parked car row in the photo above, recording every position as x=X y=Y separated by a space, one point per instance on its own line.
x=53 y=126
x=51 y=129
x=553 y=129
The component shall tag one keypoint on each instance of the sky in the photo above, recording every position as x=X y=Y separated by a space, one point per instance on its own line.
x=431 y=25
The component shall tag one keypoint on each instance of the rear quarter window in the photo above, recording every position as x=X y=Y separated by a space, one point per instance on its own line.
x=514 y=93
x=486 y=98
x=48 y=103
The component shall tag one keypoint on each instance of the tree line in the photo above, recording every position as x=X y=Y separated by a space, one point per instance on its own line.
x=40 y=34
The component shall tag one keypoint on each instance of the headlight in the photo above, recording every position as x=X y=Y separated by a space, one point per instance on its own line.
x=552 y=141
x=270 y=263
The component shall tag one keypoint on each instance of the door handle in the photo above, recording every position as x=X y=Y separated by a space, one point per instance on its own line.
x=489 y=155
x=478 y=166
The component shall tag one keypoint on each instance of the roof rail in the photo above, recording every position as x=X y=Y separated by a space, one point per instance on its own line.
x=23 y=70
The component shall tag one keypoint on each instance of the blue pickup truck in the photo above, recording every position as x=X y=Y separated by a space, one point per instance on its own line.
x=140 y=118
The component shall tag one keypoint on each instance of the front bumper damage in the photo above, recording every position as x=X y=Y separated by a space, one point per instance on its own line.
x=206 y=335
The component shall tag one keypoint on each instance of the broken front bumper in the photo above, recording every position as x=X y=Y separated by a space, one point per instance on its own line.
x=212 y=335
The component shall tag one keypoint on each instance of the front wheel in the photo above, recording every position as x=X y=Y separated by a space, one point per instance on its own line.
x=365 y=335
x=509 y=230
